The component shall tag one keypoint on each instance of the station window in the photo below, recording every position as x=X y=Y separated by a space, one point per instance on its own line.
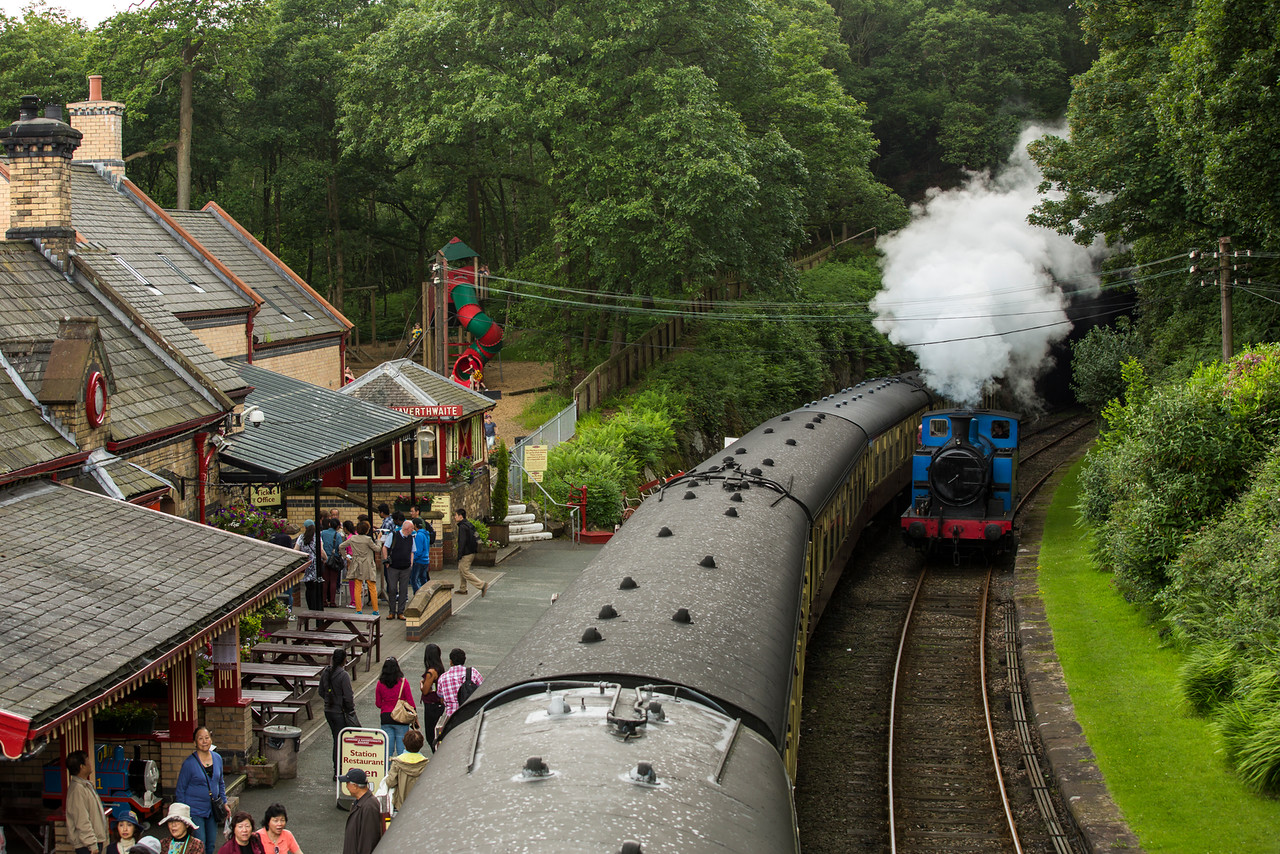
x=428 y=457
x=384 y=464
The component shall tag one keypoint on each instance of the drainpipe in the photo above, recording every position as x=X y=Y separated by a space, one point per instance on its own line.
x=202 y=470
x=248 y=332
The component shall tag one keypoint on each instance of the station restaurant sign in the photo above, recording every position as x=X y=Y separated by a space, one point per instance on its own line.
x=447 y=410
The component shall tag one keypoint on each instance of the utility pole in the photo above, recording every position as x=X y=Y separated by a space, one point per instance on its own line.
x=440 y=328
x=424 y=338
x=1224 y=281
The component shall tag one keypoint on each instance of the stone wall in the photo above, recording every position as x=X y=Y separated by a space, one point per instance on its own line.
x=181 y=458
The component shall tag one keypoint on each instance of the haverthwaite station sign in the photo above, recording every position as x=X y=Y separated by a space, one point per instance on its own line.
x=450 y=410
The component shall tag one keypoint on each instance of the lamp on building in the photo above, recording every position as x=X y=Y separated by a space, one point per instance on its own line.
x=426 y=442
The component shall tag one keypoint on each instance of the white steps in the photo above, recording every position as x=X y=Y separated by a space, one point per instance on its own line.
x=524 y=527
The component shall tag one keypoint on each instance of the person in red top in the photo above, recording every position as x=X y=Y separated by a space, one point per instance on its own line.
x=392 y=687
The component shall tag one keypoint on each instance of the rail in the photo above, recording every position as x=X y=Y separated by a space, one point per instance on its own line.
x=559 y=428
x=1009 y=823
x=575 y=524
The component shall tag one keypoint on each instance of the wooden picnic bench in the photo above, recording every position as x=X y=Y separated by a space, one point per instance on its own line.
x=350 y=641
x=300 y=653
x=298 y=679
x=368 y=627
x=268 y=704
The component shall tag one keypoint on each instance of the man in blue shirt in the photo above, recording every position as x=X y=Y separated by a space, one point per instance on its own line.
x=422 y=540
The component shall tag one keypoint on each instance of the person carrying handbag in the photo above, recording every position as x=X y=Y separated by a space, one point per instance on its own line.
x=432 y=704
x=391 y=690
x=339 y=700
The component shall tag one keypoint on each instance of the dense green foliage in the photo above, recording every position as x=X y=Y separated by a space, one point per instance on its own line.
x=1172 y=144
x=744 y=367
x=1096 y=360
x=948 y=83
x=500 y=498
x=1181 y=495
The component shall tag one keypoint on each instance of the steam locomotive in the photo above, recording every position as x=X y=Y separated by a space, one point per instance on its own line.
x=963 y=481
x=656 y=706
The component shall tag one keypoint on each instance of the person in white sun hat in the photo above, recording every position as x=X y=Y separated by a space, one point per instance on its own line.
x=180 y=825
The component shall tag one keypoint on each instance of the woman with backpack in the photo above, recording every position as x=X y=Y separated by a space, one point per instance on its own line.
x=309 y=544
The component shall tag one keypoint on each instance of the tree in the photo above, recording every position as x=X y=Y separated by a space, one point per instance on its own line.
x=42 y=53
x=1096 y=360
x=170 y=39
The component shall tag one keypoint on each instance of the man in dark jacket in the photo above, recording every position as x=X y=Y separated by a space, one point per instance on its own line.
x=467 y=548
x=364 y=822
x=339 y=700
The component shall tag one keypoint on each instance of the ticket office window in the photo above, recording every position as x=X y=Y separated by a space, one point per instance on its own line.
x=427 y=449
x=384 y=464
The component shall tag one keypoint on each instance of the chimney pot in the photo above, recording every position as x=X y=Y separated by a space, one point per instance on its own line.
x=53 y=111
x=95 y=87
x=29 y=109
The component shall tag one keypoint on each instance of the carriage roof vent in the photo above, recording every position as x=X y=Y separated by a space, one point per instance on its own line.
x=664 y=531
x=643 y=773
x=740 y=451
x=737 y=496
x=791 y=442
x=630 y=846
x=682 y=616
x=690 y=494
x=768 y=429
x=535 y=767
x=591 y=635
x=628 y=583
x=732 y=511
x=608 y=612
x=709 y=562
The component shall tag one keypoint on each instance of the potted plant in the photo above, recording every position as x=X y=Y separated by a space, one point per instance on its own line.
x=275 y=617
x=401 y=503
x=260 y=772
x=499 y=501
x=460 y=470
x=127 y=718
x=487 y=555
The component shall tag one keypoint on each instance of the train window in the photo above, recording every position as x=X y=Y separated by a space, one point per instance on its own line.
x=999 y=429
x=938 y=427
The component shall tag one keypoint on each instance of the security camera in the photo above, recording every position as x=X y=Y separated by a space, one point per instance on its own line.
x=254 y=415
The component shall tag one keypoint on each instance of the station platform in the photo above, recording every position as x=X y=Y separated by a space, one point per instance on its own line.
x=521 y=589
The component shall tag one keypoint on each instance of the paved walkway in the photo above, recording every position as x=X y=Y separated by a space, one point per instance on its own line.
x=486 y=628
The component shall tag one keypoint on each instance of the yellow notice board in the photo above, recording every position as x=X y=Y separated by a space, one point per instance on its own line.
x=535 y=458
x=265 y=496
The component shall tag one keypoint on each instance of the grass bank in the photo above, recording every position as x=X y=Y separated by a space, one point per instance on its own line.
x=1162 y=765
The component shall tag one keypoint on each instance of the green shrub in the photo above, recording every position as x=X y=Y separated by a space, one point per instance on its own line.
x=1208 y=676
x=1096 y=360
x=501 y=497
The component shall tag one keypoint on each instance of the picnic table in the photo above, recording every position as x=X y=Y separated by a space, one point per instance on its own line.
x=297 y=679
x=287 y=653
x=350 y=641
x=367 y=626
x=267 y=704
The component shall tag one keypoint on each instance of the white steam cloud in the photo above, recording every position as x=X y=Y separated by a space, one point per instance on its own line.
x=977 y=292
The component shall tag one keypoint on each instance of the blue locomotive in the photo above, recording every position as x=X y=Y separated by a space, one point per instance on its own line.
x=963 y=482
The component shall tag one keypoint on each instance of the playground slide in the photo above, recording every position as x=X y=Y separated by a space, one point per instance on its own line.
x=487 y=333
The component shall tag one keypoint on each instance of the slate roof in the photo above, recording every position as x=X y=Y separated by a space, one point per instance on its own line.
x=82 y=619
x=290 y=309
x=27 y=438
x=152 y=309
x=307 y=428
x=150 y=391
x=118 y=221
x=109 y=475
x=403 y=382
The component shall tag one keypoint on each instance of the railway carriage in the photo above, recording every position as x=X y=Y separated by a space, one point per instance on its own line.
x=656 y=706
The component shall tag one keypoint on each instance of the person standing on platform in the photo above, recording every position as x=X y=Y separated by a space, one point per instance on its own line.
x=389 y=524
x=406 y=769
x=399 y=554
x=422 y=538
x=330 y=539
x=309 y=544
x=392 y=687
x=454 y=678
x=364 y=822
x=200 y=782
x=432 y=705
x=468 y=545
x=86 y=824
x=363 y=568
x=339 y=700
x=490 y=431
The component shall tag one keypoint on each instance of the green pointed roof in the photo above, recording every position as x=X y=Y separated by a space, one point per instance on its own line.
x=455 y=249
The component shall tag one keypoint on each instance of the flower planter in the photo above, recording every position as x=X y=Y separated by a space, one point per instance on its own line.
x=262 y=775
x=486 y=557
x=500 y=532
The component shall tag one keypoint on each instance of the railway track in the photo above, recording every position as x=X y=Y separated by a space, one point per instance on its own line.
x=945 y=789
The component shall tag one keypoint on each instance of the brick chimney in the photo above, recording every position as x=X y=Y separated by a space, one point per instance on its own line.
x=102 y=123
x=39 y=149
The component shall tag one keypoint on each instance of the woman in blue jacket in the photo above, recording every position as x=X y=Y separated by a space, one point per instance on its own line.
x=200 y=781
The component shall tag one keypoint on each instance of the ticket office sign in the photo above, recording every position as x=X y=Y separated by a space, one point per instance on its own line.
x=366 y=749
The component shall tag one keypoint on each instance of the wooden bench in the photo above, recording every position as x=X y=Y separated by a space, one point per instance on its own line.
x=299 y=680
x=285 y=653
x=268 y=704
x=368 y=628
